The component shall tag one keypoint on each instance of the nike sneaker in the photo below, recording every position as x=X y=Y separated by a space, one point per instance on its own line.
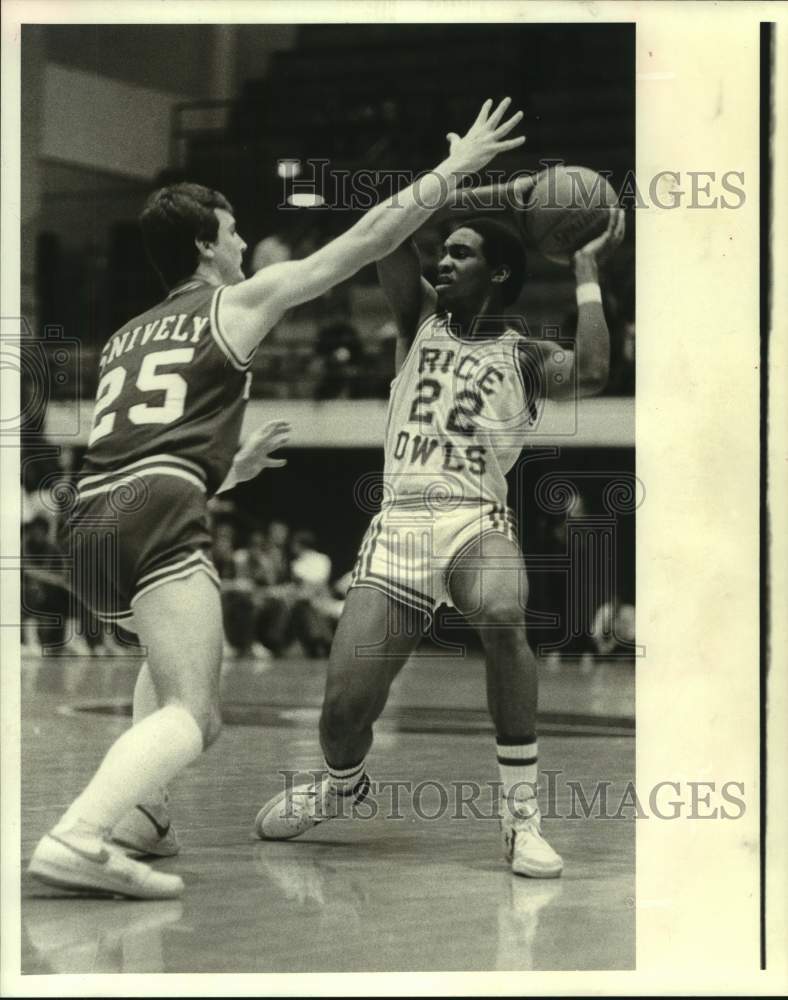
x=147 y=830
x=82 y=861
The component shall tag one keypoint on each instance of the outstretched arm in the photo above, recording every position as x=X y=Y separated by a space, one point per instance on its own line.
x=250 y=308
x=590 y=358
x=511 y=195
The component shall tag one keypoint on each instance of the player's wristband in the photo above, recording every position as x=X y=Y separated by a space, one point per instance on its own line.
x=589 y=291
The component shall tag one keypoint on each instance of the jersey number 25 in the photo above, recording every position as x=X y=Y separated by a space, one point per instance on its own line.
x=148 y=380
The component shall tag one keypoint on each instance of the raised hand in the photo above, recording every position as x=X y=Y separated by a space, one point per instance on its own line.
x=602 y=246
x=484 y=139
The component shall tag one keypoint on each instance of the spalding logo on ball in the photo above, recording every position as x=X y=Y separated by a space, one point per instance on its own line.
x=567 y=207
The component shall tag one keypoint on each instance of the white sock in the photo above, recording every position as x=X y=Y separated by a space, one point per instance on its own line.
x=347 y=781
x=146 y=702
x=518 y=767
x=145 y=757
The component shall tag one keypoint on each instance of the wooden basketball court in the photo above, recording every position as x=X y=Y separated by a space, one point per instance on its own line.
x=421 y=885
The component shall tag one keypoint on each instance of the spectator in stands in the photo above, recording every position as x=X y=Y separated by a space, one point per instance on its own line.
x=314 y=610
x=270 y=250
x=238 y=597
x=550 y=595
x=257 y=562
x=41 y=470
x=223 y=553
x=276 y=603
x=277 y=551
x=44 y=593
x=613 y=630
x=276 y=591
x=379 y=361
x=307 y=243
x=33 y=505
x=47 y=471
x=289 y=584
x=338 y=351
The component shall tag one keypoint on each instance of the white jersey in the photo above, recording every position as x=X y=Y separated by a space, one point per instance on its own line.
x=458 y=416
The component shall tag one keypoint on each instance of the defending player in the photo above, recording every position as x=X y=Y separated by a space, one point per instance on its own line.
x=166 y=425
x=468 y=390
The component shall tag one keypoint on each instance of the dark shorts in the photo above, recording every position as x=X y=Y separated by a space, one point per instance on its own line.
x=134 y=529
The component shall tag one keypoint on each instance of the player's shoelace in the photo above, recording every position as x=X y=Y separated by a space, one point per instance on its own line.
x=304 y=804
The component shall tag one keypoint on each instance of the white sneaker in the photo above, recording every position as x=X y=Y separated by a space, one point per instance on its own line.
x=525 y=847
x=86 y=862
x=147 y=830
x=297 y=809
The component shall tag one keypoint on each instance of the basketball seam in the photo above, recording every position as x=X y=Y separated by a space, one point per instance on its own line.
x=549 y=232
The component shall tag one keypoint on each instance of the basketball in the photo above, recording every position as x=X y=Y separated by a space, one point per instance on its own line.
x=568 y=206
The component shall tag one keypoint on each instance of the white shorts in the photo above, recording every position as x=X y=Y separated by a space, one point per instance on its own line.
x=409 y=551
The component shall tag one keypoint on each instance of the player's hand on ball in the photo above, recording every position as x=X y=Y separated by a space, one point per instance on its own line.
x=602 y=246
x=255 y=453
x=485 y=138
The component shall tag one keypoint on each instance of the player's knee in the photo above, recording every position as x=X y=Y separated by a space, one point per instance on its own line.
x=503 y=612
x=206 y=716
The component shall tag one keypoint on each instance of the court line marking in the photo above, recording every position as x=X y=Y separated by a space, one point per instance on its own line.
x=402 y=720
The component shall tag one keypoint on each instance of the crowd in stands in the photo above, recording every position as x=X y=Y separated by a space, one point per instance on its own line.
x=277 y=591
x=596 y=621
x=280 y=593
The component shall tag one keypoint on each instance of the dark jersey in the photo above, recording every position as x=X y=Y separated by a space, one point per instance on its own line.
x=170 y=384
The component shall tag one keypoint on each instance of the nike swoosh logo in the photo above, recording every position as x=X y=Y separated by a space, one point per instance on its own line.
x=161 y=830
x=100 y=857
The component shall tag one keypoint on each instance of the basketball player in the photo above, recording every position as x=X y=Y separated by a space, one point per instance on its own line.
x=468 y=390
x=166 y=424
